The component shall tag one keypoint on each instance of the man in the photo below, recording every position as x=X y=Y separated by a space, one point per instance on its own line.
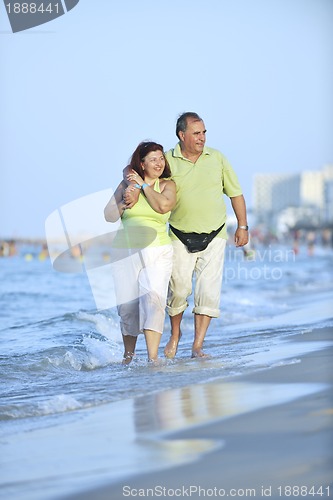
x=201 y=175
x=197 y=228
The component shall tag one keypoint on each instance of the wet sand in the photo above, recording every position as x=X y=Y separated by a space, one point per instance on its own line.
x=265 y=434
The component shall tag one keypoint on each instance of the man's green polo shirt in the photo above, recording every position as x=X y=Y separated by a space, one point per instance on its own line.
x=200 y=206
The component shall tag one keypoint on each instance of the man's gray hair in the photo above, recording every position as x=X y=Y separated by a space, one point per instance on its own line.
x=182 y=121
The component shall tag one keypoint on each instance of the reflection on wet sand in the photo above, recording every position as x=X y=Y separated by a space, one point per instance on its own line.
x=131 y=436
x=157 y=415
x=181 y=408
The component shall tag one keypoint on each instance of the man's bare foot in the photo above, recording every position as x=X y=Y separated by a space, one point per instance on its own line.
x=127 y=358
x=198 y=353
x=170 y=349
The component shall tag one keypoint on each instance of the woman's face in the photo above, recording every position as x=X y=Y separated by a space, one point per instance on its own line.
x=154 y=164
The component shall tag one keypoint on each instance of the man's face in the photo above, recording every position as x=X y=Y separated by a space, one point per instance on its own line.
x=194 y=137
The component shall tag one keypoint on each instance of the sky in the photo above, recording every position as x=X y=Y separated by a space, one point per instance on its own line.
x=80 y=92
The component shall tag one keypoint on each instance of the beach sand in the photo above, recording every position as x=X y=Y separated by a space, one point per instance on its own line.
x=265 y=434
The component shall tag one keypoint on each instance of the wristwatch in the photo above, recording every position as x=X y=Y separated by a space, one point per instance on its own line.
x=244 y=227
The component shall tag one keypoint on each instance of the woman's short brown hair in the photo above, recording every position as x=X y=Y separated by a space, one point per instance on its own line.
x=141 y=152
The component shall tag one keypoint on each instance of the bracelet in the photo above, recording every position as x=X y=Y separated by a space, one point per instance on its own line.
x=144 y=185
x=244 y=227
x=137 y=186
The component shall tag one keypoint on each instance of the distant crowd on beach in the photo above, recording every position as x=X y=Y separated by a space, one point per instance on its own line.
x=309 y=239
x=8 y=248
x=29 y=249
x=298 y=240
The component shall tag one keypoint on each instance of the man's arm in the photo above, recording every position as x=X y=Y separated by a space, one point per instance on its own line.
x=239 y=207
x=131 y=194
x=116 y=206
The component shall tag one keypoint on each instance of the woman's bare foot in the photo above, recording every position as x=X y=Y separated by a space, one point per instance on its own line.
x=127 y=358
x=170 y=349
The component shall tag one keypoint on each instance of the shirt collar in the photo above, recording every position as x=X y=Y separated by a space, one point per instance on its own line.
x=177 y=152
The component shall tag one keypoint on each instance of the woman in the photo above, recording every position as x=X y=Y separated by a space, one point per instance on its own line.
x=142 y=250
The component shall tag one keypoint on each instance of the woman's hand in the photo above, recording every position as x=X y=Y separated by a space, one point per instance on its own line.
x=133 y=176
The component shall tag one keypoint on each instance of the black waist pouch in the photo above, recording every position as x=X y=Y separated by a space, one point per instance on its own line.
x=195 y=242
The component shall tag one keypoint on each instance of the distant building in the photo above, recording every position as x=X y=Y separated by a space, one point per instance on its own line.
x=328 y=195
x=264 y=200
x=297 y=217
x=286 y=193
x=312 y=189
x=287 y=201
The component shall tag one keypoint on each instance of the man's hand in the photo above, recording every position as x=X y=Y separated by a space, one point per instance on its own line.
x=241 y=237
x=131 y=196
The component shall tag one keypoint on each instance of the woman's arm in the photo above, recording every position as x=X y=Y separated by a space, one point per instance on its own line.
x=116 y=205
x=165 y=200
x=160 y=202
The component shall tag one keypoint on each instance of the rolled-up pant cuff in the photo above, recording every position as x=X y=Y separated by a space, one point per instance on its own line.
x=213 y=313
x=173 y=311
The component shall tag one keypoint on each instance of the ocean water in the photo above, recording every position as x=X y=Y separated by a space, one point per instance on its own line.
x=60 y=356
